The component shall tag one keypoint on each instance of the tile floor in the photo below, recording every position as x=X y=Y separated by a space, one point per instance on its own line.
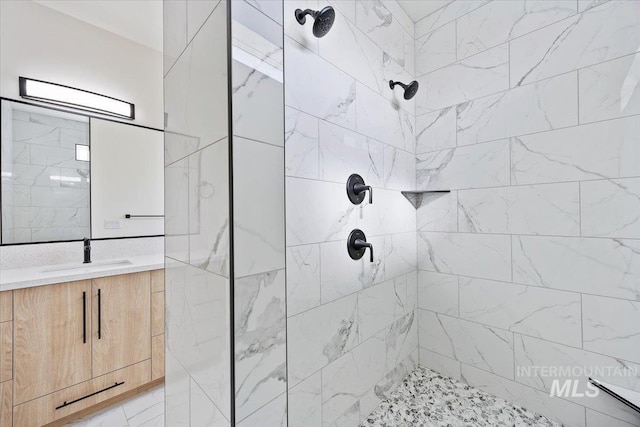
x=427 y=398
x=145 y=410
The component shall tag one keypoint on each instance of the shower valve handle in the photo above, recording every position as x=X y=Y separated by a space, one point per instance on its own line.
x=359 y=188
x=356 y=189
x=357 y=245
x=362 y=244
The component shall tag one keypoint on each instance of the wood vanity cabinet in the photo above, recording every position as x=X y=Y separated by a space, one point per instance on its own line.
x=80 y=345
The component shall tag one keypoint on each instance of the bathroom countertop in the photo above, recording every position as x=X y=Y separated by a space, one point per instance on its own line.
x=37 y=276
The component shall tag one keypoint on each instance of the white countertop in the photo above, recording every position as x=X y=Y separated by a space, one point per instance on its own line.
x=37 y=276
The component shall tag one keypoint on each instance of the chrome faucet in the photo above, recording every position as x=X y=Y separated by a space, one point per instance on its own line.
x=87 y=250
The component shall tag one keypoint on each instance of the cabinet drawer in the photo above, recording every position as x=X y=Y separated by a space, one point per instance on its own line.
x=6 y=401
x=41 y=411
x=6 y=351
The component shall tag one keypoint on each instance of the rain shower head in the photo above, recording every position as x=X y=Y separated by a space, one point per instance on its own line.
x=323 y=19
x=410 y=90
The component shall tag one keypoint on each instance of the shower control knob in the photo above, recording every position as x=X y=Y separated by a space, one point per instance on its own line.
x=357 y=245
x=356 y=189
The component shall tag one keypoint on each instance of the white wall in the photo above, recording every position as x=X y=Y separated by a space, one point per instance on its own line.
x=41 y=43
x=127 y=177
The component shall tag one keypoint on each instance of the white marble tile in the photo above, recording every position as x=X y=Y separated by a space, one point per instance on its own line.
x=401 y=339
x=400 y=15
x=260 y=341
x=611 y=327
x=375 y=20
x=379 y=306
x=145 y=408
x=436 y=49
x=273 y=414
x=481 y=346
x=477 y=166
x=576 y=42
x=446 y=14
x=610 y=208
x=588 y=4
x=52 y=156
x=176 y=210
x=478 y=255
x=393 y=214
x=331 y=96
x=344 y=152
x=257 y=99
x=349 y=418
x=438 y=212
x=273 y=9
x=175 y=31
x=438 y=292
x=301 y=144
x=348 y=378
x=198 y=328
x=346 y=7
x=258 y=182
x=436 y=131
x=531 y=354
x=177 y=383
x=502 y=21
x=305 y=403
x=545 y=105
x=471 y=78
x=35 y=133
x=203 y=412
x=569 y=414
x=303 y=278
x=209 y=208
x=399 y=168
x=543 y=313
x=596 y=419
x=608 y=267
x=552 y=209
x=341 y=275
x=595 y=151
x=319 y=336
x=300 y=33
x=400 y=254
x=196 y=91
x=197 y=14
x=610 y=90
x=110 y=417
x=444 y=365
x=384 y=120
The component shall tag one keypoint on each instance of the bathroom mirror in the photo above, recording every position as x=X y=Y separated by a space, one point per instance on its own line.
x=68 y=176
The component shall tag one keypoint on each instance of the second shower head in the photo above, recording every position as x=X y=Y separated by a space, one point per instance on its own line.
x=410 y=90
x=323 y=19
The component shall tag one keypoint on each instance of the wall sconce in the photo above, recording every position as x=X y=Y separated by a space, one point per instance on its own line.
x=66 y=96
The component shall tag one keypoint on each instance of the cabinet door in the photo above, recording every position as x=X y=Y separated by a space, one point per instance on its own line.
x=52 y=347
x=121 y=321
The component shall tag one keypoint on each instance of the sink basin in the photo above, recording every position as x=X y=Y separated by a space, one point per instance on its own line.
x=117 y=263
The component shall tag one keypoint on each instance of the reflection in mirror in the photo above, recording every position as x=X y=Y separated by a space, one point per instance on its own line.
x=45 y=174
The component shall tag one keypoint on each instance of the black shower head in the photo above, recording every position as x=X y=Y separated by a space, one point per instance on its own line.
x=410 y=90
x=323 y=19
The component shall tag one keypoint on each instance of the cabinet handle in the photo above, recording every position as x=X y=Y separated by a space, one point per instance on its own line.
x=89 y=395
x=84 y=317
x=99 y=315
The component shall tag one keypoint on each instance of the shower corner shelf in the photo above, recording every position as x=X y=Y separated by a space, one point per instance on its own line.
x=416 y=197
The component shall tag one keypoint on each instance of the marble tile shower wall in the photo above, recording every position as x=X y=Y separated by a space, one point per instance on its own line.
x=351 y=327
x=198 y=362
x=530 y=113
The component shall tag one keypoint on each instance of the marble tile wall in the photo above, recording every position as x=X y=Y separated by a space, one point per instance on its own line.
x=351 y=325
x=45 y=190
x=530 y=113
x=197 y=216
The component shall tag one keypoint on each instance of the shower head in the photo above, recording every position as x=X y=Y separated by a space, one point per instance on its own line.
x=410 y=90
x=323 y=19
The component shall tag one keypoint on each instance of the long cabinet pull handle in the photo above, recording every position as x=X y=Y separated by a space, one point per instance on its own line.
x=99 y=315
x=84 y=317
x=89 y=395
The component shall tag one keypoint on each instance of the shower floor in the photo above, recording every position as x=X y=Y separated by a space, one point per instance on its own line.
x=426 y=398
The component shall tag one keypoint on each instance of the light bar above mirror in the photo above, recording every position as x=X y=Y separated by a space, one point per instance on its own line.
x=80 y=99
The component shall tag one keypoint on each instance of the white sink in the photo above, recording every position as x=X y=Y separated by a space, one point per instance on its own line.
x=116 y=263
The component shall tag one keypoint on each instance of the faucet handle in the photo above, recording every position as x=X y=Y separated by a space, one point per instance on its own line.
x=356 y=188
x=357 y=245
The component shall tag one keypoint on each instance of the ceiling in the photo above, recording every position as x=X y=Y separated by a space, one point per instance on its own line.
x=418 y=9
x=137 y=20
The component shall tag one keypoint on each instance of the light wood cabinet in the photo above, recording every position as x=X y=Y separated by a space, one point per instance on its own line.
x=71 y=348
x=51 y=347
x=121 y=321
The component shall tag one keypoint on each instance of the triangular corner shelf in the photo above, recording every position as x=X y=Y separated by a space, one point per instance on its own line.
x=416 y=197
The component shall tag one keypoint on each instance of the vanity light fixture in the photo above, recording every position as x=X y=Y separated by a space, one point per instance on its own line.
x=66 y=96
